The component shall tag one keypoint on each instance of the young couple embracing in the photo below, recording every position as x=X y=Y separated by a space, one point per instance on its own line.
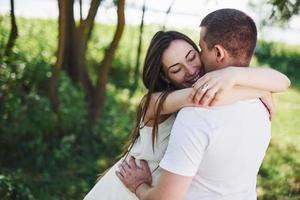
x=204 y=125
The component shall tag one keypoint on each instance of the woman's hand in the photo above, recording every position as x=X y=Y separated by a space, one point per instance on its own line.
x=212 y=84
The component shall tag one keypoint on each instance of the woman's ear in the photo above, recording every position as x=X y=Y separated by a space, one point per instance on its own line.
x=219 y=53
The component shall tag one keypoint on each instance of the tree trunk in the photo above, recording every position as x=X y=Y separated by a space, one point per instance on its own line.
x=100 y=93
x=63 y=59
x=80 y=9
x=71 y=54
x=14 y=30
x=167 y=13
x=80 y=40
x=72 y=47
x=138 y=57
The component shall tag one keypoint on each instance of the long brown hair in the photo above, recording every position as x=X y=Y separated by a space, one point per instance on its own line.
x=152 y=79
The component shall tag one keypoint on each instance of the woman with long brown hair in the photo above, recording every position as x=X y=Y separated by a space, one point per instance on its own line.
x=172 y=67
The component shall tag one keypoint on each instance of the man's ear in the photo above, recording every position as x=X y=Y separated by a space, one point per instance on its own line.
x=219 y=53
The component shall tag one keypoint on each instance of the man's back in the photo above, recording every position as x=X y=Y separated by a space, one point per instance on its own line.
x=222 y=147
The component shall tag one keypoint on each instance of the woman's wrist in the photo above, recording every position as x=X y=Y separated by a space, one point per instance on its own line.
x=188 y=100
x=183 y=98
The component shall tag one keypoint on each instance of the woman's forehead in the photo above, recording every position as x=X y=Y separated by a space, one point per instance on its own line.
x=176 y=51
x=178 y=45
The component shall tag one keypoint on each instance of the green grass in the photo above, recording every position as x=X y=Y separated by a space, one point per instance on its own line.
x=279 y=177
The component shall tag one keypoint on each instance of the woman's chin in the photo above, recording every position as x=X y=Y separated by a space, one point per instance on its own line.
x=186 y=85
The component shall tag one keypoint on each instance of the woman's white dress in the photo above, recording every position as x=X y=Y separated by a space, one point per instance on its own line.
x=109 y=187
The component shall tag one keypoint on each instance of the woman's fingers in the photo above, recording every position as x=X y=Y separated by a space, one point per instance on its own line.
x=197 y=86
x=205 y=93
x=216 y=98
x=209 y=95
x=200 y=93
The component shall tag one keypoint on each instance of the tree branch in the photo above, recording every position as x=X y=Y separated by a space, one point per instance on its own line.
x=14 y=30
x=92 y=14
x=106 y=63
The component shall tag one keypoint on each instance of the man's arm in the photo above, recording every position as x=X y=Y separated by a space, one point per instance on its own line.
x=169 y=187
x=185 y=150
x=138 y=180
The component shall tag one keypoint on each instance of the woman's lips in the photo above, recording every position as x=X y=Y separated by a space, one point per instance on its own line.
x=194 y=79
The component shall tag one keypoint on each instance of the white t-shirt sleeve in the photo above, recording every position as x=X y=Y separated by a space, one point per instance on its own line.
x=188 y=142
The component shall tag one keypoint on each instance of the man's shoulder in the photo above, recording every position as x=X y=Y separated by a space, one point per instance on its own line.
x=241 y=103
x=194 y=110
x=193 y=116
x=201 y=111
x=191 y=111
x=208 y=113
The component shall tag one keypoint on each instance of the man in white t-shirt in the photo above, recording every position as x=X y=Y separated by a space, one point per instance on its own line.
x=213 y=153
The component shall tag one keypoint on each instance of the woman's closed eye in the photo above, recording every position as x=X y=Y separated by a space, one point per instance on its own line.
x=175 y=70
x=191 y=57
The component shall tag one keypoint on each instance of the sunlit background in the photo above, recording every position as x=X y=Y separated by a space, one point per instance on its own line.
x=183 y=14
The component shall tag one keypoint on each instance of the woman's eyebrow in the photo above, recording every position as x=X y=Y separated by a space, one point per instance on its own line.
x=178 y=63
x=188 y=53
x=172 y=66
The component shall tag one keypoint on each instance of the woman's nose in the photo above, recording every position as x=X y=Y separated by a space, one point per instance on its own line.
x=190 y=71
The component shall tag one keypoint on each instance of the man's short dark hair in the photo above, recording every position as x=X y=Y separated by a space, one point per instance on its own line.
x=232 y=29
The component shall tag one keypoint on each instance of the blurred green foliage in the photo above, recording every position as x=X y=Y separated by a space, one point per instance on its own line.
x=283 y=57
x=279 y=176
x=11 y=187
x=47 y=155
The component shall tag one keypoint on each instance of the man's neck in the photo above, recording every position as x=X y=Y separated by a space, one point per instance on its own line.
x=236 y=62
x=233 y=63
x=227 y=63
